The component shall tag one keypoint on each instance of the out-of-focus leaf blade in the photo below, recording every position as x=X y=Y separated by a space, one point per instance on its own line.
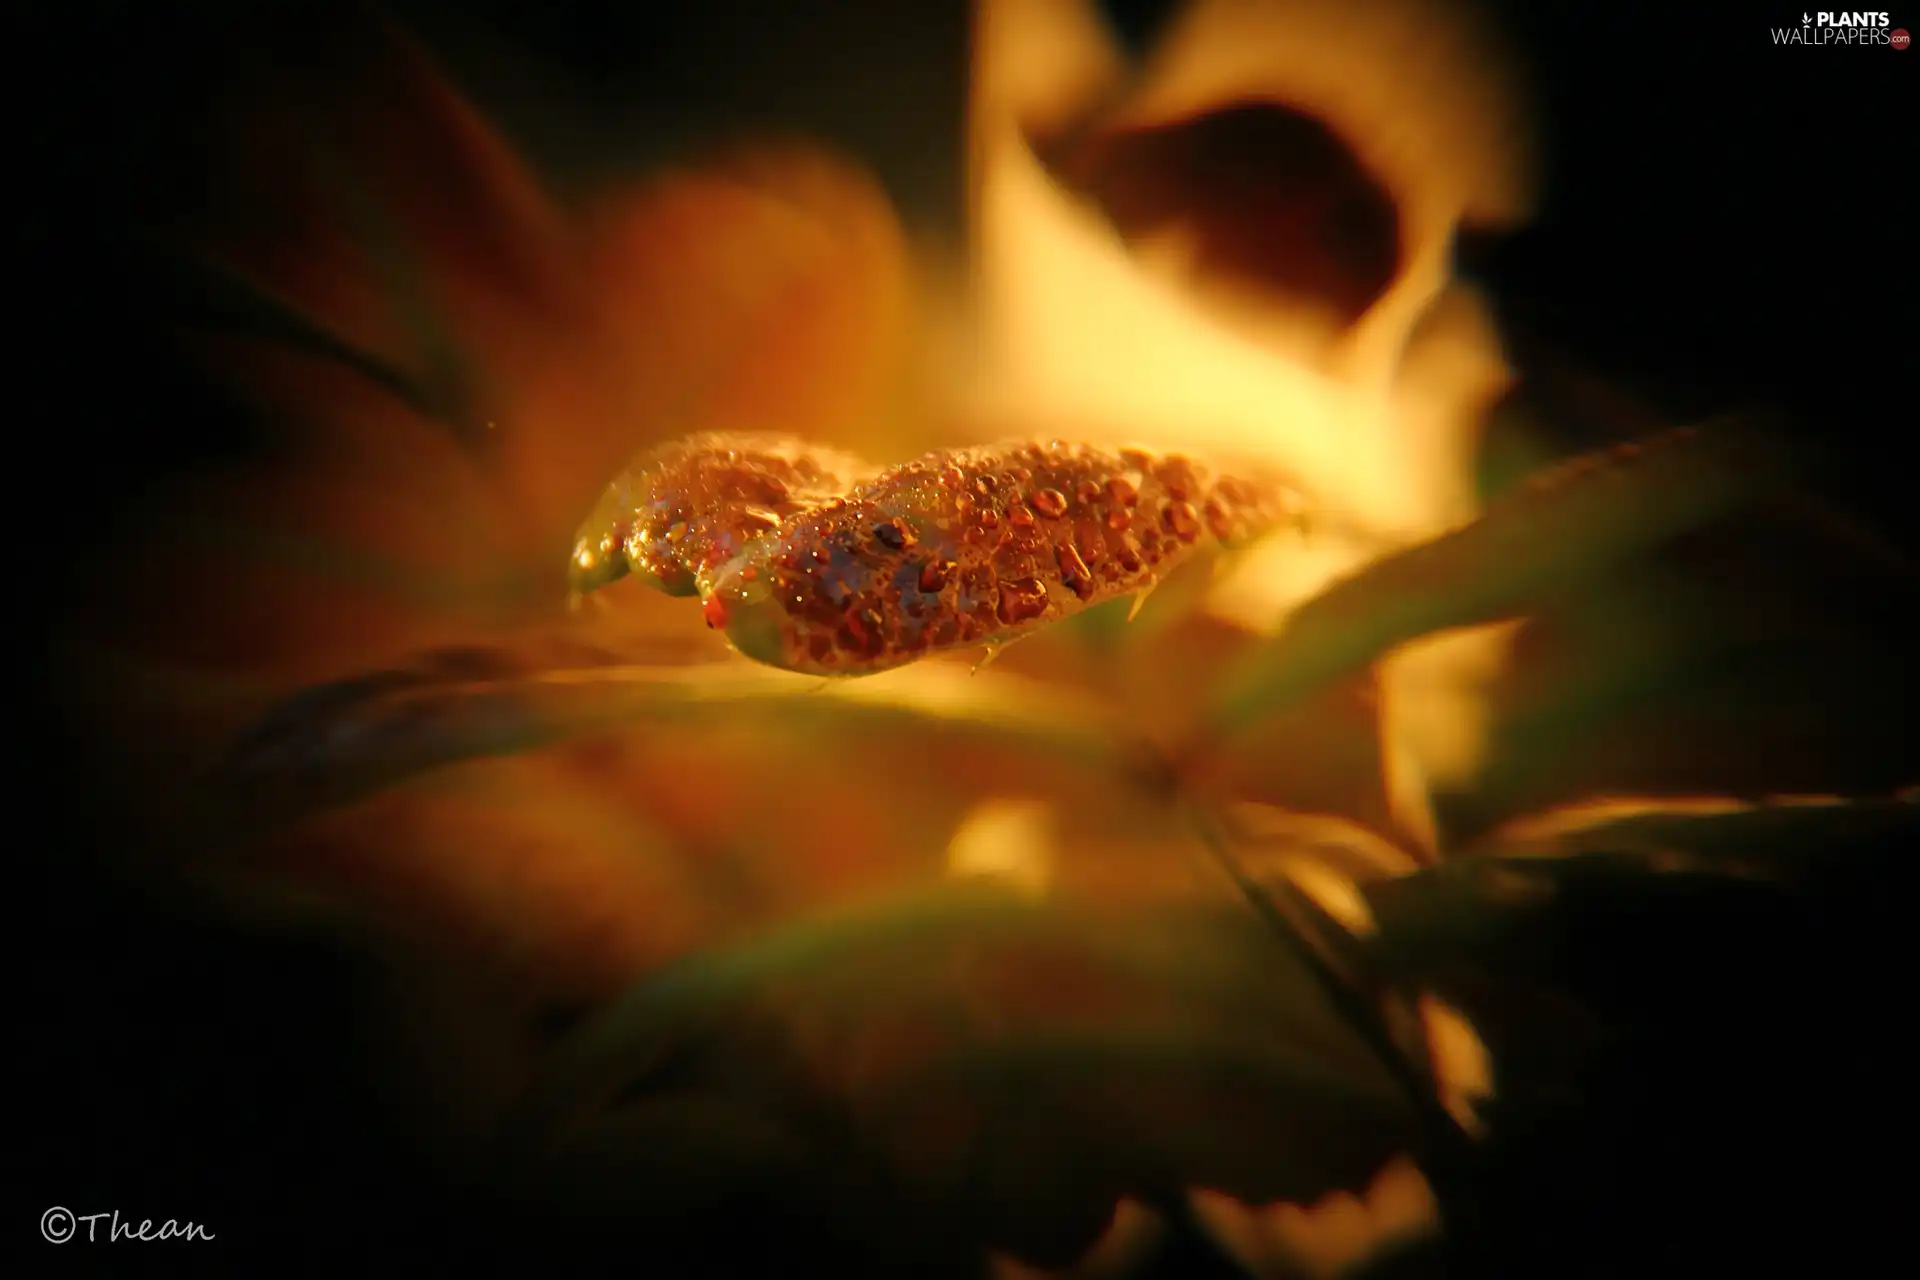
x=1706 y=833
x=983 y=984
x=344 y=740
x=1555 y=531
x=229 y=299
x=1216 y=1082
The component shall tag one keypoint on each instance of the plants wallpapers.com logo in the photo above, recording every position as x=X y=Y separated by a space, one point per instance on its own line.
x=1848 y=28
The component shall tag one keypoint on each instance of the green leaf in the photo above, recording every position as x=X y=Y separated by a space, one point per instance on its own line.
x=448 y=377
x=1557 y=531
x=232 y=300
x=1016 y=1068
x=1723 y=835
x=336 y=743
x=1204 y=1096
x=984 y=984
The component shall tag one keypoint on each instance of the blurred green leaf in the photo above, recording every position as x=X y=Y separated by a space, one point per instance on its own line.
x=448 y=377
x=1740 y=837
x=1558 y=530
x=1152 y=1019
x=226 y=298
x=1169 y=1110
x=665 y=1183
x=339 y=742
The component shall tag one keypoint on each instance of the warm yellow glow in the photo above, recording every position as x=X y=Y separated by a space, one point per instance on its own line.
x=1115 y=1255
x=1009 y=841
x=1378 y=424
x=1544 y=832
x=1328 y=1237
x=1460 y=1059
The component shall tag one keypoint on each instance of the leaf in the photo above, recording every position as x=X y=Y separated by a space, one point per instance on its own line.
x=1202 y=1088
x=1752 y=660
x=1720 y=835
x=341 y=741
x=973 y=1037
x=1594 y=896
x=1658 y=1025
x=228 y=299
x=1560 y=529
x=523 y=869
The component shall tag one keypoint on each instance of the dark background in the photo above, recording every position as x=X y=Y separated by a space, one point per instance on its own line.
x=1725 y=222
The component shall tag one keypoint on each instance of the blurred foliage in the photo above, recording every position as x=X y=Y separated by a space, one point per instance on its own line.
x=672 y=943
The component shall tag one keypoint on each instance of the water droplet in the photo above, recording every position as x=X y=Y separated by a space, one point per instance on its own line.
x=1074 y=574
x=860 y=633
x=1175 y=475
x=934 y=575
x=1022 y=600
x=984 y=485
x=986 y=518
x=1050 y=503
x=676 y=531
x=1181 y=518
x=1219 y=521
x=1088 y=491
x=1013 y=561
x=973 y=535
x=1121 y=492
x=1091 y=543
x=1138 y=459
x=1019 y=475
x=1127 y=552
x=1020 y=516
x=894 y=534
x=1118 y=520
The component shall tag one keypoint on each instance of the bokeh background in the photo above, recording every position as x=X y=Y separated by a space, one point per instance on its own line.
x=1722 y=222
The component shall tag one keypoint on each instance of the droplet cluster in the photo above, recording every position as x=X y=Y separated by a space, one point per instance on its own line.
x=679 y=512
x=975 y=547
